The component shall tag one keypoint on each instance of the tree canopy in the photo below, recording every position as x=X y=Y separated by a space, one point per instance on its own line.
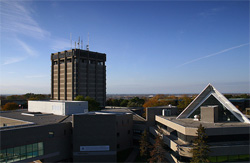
x=134 y=102
x=10 y=106
x=200 y=148
x=161 y=100
x=29 y=96
x=93 y=105
x=157 y=153
x=144 y=146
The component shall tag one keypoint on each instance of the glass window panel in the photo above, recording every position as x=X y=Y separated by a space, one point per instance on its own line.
x=35 y=147
x=40 y=145
x=23 y=156
x=29 y=155
x=3 y=155
x=16 y=150
x=23 y=149
x=16 y=154
x=233 y=158
x=212 y=159
x=40 y=152
x=244 y=157
x=35 y=153
x=10 y=153
x=221 y=158
x=29 y=148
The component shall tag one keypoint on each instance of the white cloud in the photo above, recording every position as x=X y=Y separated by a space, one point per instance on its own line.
x=11 y=60
x=17 y=19
x=30 y=51
x=213 y=54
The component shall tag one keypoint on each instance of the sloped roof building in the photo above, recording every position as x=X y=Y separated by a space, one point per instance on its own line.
x=226 y=127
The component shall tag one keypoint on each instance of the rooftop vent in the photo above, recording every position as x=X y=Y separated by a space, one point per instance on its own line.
x=197 y=118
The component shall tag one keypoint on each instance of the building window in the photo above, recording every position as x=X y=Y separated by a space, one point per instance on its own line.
x=117 y=134
x=69 y=60
x=118 y=146
x=51 y=134
x=128 y=131
x=99 y=63
x=21 y=152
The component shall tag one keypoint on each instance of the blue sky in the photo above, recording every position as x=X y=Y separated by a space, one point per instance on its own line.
x=152 y=47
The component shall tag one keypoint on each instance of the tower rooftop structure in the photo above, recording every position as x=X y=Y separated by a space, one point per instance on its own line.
x=78 y=72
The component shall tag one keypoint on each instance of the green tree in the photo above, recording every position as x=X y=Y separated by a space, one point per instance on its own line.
x=93 y=105
x=124 y=103
x=184 y=101
x=158 y=153
x=79 y=98
x=10 y=106
x=144 y=146
x=109 y=102
x=200 y=148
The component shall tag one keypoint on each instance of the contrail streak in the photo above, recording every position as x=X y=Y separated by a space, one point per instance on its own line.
x=213 y=54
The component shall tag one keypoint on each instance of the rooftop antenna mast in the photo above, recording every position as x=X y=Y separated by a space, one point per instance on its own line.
x=87 y=46
x=81 y=44
x=78 y=43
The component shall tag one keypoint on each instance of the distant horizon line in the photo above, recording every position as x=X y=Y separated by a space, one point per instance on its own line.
x=6 y=94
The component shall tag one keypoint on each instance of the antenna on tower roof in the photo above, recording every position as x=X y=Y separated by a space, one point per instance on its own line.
x=87 y=46
x=78 y=43
x=81 y=44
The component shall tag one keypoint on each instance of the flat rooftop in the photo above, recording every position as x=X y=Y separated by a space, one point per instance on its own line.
x=22 y=118
x=136 y=117
x=188 y=122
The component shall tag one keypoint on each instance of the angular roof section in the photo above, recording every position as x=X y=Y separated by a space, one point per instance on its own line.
x=207 y=92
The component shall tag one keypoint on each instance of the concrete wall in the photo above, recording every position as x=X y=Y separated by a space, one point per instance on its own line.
x=105 y=134
x=78 y=72
x=94 y=131
x=209 y=114
x=124 y=126
x=151 y=112
x=58 y=107
x=56 y=148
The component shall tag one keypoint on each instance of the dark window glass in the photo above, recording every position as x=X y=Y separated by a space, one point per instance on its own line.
x=40 y=146
x=223 y=114
x=51 y=134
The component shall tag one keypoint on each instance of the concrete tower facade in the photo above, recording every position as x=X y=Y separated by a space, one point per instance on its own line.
x=78 y=72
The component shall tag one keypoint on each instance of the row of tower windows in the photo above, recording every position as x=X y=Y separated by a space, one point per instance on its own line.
x=83 y=61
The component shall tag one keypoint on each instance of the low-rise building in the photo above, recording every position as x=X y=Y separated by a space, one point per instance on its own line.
x=80 y=137
x=226 y=127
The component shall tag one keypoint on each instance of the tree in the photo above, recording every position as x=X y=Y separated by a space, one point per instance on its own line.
x=184 y=101
x=144 y=146
x=200 y=149
x=79 y=98
x=10 y=106
x=93 y=105
x=124 y=103
x=158 y=153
